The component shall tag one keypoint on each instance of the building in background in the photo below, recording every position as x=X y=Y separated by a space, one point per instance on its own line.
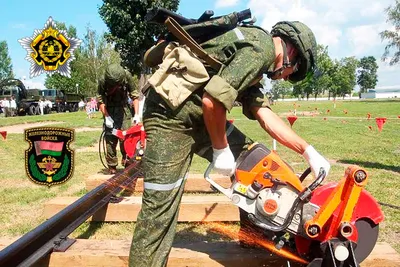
x=382 y=93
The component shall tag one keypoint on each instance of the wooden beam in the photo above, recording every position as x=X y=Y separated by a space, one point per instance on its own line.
x=193 y=209
x=115 y=253
x=194 y=183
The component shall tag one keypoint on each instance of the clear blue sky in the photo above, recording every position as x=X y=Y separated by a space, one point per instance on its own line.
x=353 y=31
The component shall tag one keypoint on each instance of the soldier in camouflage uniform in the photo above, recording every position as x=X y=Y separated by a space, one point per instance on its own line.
x=113 y=92
x=198 y=126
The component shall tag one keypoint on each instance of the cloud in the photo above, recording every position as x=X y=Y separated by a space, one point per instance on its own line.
x=348 y=28
x=373 y=9
x=384 y=66
x=30 y=84
x=364 y=38
x=327 y=35
x=226 y=3
x=35 y=83
x=329 y=20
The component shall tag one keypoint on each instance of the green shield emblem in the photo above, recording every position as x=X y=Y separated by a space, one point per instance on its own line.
x=49 y=160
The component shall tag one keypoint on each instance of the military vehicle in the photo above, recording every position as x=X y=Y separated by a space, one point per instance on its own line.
x=27 y=100
x=62 y=101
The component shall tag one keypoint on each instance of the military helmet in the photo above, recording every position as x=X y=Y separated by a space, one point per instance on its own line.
x=114 y=75
x=303 y=39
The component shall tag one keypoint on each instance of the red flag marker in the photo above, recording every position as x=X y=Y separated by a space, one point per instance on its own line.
x=4 y=134
x=368 y=115
x=380 y=122
x=291 y=119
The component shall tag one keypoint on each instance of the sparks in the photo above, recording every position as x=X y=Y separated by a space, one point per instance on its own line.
x=254 y=240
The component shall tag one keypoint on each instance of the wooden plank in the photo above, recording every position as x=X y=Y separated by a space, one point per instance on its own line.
x=194 y=183
x=115 y=253
x=383 y=255
x=193 y=208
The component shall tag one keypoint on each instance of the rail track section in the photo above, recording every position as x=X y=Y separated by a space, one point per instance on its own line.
x=52 y=235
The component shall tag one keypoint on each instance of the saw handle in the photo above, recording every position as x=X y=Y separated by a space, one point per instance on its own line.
x=226 y=191
x=308 y=190
x=305 y=174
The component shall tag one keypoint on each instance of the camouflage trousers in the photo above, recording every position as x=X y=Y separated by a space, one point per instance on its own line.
x=122 y=121
x=173 y=136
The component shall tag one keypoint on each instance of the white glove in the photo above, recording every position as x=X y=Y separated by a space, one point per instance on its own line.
x=316 y=161
x=135 y=119
x=109 y=122
x=224 y=162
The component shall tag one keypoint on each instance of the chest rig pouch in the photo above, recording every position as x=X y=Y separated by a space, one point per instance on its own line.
x=179 y=74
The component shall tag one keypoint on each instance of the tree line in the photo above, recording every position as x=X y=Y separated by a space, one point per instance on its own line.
x=332 y=77
x=129 y=36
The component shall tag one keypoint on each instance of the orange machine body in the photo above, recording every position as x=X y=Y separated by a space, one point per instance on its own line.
x=267 y=166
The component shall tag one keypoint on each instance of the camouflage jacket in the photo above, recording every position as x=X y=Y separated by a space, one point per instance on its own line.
x=247 y=53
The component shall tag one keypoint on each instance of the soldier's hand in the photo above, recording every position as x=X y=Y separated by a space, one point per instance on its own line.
x=109 y=122
x=135 y=119
x=316 y=161
x=224 y=161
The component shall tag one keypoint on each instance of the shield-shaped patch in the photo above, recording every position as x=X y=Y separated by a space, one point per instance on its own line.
x=49 y=160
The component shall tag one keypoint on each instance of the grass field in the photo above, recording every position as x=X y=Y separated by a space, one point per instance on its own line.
x=343 y=135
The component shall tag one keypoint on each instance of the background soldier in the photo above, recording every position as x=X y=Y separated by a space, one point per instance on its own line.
x=114 y=90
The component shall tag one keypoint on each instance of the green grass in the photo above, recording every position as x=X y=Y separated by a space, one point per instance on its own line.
x=342 y=138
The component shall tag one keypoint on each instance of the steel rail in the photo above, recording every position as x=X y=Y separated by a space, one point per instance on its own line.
x=52 y=235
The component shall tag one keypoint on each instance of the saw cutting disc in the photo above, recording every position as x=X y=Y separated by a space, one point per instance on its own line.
x=367 y=237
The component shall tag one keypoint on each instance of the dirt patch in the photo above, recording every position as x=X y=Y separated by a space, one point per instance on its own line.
x=92 y=148
x=20 y=128
x=12 y=183
x=88 y=129
x=300 y=113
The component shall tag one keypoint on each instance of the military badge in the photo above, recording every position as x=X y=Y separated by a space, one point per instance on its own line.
x=50 y=50
x=49 y=160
